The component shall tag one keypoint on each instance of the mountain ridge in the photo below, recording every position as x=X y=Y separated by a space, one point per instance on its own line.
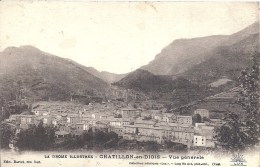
x=44 y=76
x=163 y=87
x=202 y=63
x=182 y=54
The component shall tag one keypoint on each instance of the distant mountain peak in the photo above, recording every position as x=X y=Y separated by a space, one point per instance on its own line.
x=28 y=47
x=44 y=75
x=23 y=47
x=183 y=54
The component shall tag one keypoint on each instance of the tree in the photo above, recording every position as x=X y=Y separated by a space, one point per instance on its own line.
x=196 y=119
x=135 y=106
x=238 y=134
x=231 y=135
x=205 y=119
x=249 y=99
x=249 y=82
x=152 y=146
x=88 y=136
x=113 y=140
x=169 y=145
x=118 y=116
x=73 y=142
x=36 y=137
x=100 y=137
x=112 y=135
x=147 y=117
x=6 y=134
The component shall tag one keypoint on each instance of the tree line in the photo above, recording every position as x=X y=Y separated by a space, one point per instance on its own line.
x=239 y=133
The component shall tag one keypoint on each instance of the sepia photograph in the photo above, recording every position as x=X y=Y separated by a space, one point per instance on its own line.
x=98 y=83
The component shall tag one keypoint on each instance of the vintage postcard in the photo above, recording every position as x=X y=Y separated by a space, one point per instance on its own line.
x=132 y=84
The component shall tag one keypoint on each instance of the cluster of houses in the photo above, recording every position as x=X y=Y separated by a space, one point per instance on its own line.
x=128 y=122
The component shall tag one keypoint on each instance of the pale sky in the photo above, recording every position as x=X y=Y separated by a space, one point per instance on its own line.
x=116 y=36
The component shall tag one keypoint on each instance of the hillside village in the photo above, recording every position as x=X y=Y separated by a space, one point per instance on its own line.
x=130 y=123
